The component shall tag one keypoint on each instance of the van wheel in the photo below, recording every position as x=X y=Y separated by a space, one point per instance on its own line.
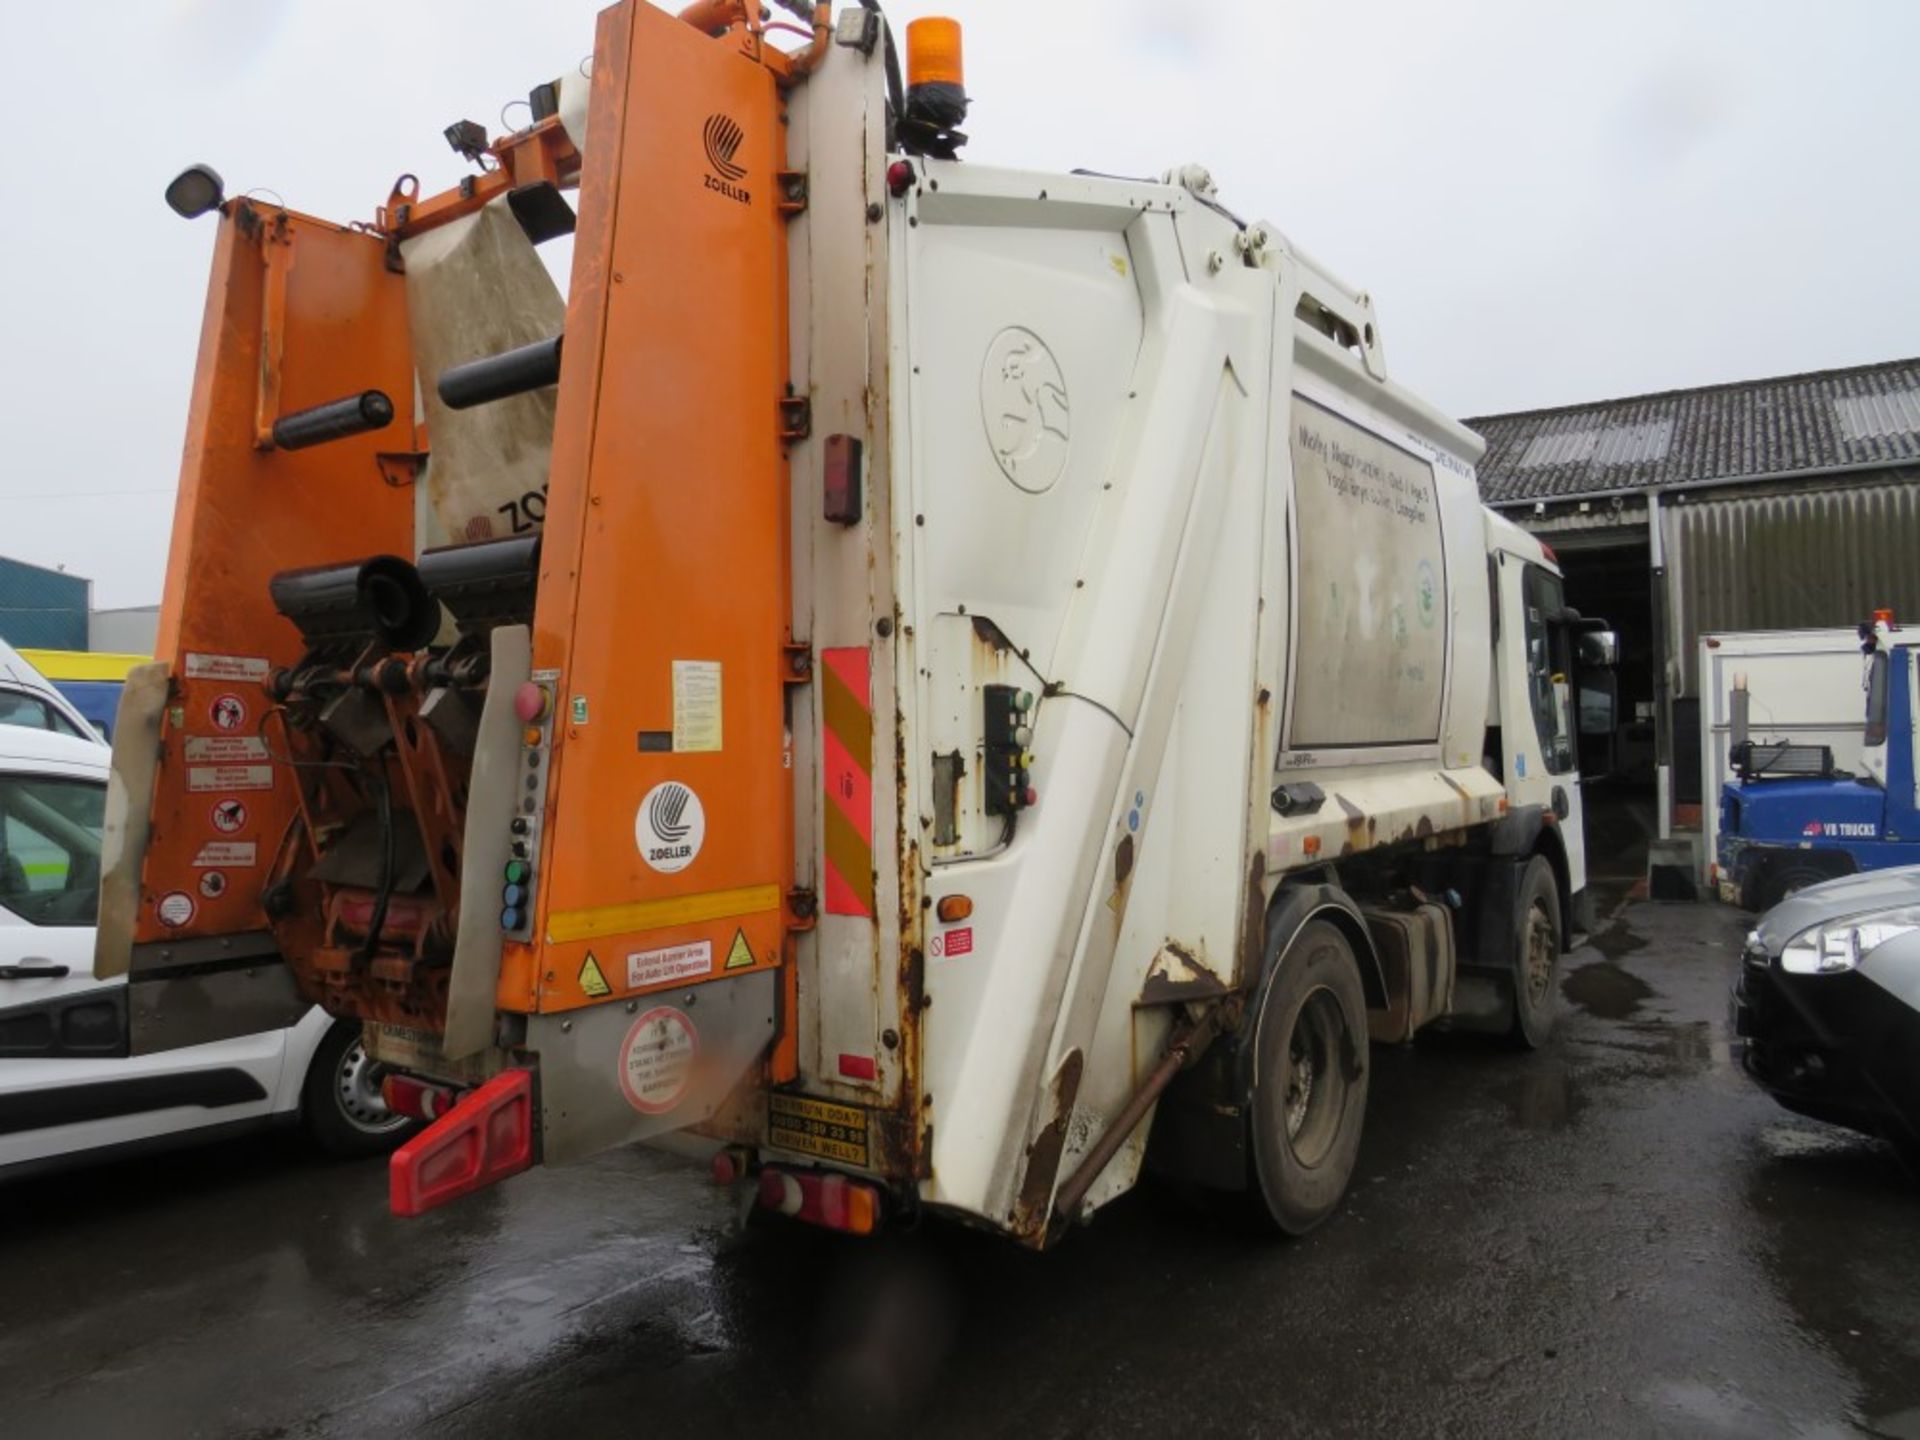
x=341 y=1101
x=1787 y=880
x=1536 y=955
x=1310 y=1080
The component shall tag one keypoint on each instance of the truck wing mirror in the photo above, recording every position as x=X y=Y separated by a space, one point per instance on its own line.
x=1598 y=648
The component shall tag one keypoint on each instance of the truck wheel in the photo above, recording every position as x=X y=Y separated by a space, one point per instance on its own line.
x=1536 y=954
x=1787 y=879
x=1310 y=1080
x=341 y=1102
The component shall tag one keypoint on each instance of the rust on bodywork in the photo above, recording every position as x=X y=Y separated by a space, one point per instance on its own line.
x=1035 y=1201
x=1178 y=975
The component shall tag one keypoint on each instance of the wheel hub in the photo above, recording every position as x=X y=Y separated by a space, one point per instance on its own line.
x=357 y=1085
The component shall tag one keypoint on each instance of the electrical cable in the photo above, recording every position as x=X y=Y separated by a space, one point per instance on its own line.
x=896 y=89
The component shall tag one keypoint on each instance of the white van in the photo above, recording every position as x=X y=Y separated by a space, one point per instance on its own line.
x=68 y=1086
x=29 y=700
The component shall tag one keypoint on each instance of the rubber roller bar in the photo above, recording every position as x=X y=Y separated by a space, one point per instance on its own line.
x=335 y=420
x=512 y=372
x=381 y=599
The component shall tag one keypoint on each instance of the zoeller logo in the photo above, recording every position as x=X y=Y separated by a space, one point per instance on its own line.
x=670 y=827
x=669 y=803
x=723 y=137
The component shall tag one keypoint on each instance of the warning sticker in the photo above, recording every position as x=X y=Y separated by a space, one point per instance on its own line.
x=213 y=884
x=591 y=980
x=739 y=954
x=229 y=777
x=229 y=816
x=224 y=749
x=676 y=962
x=696 y=705
x=670 y=827
x=230 y=854
x=656 y=1060
x=251 y=668
x=228 y=712
x=817 y=1127
x=175 y=909
x=949 y=943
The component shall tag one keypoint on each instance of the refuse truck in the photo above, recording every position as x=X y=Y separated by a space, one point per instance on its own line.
x=934 y=687
x=1792 y=818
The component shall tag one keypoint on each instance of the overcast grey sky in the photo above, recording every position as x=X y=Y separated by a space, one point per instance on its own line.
x=1550 y=203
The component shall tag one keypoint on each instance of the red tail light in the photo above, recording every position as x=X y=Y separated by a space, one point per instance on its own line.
x=416 y=1099
x=834 y=1201
x=486 y=1137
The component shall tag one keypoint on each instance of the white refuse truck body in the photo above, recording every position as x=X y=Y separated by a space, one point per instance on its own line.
x=1162 y=716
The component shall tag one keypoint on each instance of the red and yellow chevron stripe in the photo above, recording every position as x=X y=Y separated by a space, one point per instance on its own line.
x=846 y=704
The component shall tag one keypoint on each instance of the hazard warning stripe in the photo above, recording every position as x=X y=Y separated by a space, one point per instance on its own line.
x=847 y=766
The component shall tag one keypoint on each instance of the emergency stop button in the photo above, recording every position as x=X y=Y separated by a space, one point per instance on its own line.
x=530 y=703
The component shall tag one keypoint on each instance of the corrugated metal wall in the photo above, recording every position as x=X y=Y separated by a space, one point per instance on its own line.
x=1789 y=562
x=42 y=609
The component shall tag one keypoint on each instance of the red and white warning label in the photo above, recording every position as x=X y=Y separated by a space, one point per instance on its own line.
x=657 y=1059
x=949 y=943
x=251 y=668
x=228 y=712
x=227 y=855
x=223 y=749
x=676 y=962
x=229 y=777
x=229 y=816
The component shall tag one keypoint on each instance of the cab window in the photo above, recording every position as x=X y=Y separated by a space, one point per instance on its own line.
x=1548 y=667
x=50 y=848
x=31 y=712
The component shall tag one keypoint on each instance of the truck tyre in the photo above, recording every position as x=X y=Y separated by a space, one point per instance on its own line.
x=1309 y=1080
x=1536 y=954
x=1789 y=877
x=340 y=1101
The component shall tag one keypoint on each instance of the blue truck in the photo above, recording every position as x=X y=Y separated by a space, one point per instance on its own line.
x=1791 y=819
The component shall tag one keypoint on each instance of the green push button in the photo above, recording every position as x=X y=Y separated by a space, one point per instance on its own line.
x=518 y=871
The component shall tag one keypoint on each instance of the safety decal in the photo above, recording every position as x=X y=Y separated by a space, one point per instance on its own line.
x=213 y=884
x=696 y=705
x=175 y=909
x=251 y=669
x=226 y=854
x=949 y=943
x=229 y=816
x=591 y=980
x=228 y=712
x=656 y=1060
x=229 y=777
x=846 y=707
x=817 y=1127
x=223 y=749
x=579 y=709
x=670 y=827
x=676 y=962
x=739 y=954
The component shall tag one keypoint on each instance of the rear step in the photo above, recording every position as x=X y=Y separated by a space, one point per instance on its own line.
x=486 y=1137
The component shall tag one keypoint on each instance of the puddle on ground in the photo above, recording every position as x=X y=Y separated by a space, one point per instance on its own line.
x=1544 y=1100
x=1616 y=940
x=1602 y=988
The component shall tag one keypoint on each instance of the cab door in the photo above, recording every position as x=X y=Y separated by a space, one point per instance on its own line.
x=1551 y=705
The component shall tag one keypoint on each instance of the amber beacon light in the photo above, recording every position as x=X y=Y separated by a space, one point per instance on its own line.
x=936 y=87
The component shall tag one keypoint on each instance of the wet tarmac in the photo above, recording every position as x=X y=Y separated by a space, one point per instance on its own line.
x=1616 y=1235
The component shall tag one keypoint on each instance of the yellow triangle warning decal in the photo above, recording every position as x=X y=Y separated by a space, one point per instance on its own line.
x=739 y=954
x=591 y=980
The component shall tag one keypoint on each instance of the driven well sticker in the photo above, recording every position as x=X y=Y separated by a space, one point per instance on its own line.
x=676 y=962
x=175 y=909
x=670 y=827
x=817 y=1127
x=656 y=1060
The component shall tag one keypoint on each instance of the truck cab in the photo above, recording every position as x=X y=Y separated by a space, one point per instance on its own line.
x=1791 y=819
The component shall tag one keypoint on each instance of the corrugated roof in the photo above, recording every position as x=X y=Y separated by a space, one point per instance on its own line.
x=1826 y=419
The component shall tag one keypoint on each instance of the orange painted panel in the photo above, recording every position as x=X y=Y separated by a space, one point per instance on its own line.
x=222 y=803
x=663 y=598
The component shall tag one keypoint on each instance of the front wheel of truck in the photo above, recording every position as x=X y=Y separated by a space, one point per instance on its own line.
x=1310 y=1080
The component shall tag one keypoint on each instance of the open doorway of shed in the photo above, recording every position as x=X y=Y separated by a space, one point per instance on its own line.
x=1609 y=575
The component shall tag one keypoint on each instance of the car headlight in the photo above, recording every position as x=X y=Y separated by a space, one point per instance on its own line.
x=1837 y=945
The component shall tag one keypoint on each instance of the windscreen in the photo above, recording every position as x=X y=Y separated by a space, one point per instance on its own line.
x=1370 y=598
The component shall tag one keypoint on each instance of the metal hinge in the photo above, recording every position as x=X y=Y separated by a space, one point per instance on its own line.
x=793 y=192
x=796 y=417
